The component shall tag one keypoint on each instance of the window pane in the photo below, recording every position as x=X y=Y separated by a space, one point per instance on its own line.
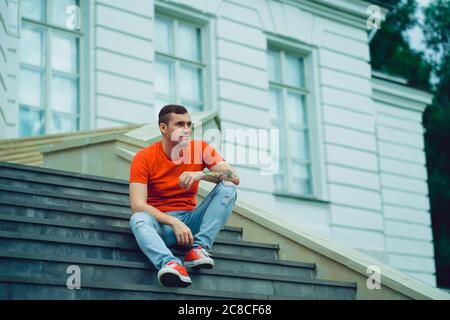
x=64 y=95
x=190 y=83
x=163 y=35
x=59 y=16
x=33 y=9
x=164 y=77
x=31 y=122
x=275 y=102
x=188 y=45
x=300 y=170
x=64 y=53
x=293 y=71
x=300 y=178
x=274 y=65
x=32 y=46
x=300 y=186
x=62 y=124
x=31 y=87
x=298 y=142
x=296 y=109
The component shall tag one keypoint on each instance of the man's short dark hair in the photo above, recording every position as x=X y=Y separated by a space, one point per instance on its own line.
x=164 y=114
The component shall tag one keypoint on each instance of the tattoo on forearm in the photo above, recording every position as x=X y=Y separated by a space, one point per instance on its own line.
x=227 y=175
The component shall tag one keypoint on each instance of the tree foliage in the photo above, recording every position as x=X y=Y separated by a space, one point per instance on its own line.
x=437 y=137
x=390 y=50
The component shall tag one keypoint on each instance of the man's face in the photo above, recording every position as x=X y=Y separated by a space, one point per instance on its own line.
x=179 y=129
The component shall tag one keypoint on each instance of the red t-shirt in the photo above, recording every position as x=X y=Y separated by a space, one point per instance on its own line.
x=151 y=166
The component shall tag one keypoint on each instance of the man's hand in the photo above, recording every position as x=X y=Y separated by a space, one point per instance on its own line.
x=187 y=178
x=182 y=232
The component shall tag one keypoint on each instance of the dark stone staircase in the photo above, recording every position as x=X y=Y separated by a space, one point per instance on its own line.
x=52 y=219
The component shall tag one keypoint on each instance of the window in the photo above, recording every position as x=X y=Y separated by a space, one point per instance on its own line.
x=289 y=113
x=179 y=64
x=49 y=91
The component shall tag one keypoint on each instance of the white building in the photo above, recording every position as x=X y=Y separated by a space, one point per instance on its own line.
x=352 y=139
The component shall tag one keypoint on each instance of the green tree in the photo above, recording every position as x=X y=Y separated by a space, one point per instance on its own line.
x=437 y=136
x=390 y=51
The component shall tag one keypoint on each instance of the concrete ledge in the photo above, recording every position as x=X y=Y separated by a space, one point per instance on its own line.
x=59 y=137
x=400 y=95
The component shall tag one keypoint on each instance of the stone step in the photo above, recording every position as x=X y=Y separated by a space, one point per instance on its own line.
x=42 y=207
x=83 y=230
x=50 y=219
x=203 y=280
x=18 y=195
x=47 y=288
x=48 y=186
x=113 y=234
x=120 y=250
x=63 y=178
x=94 y=218
x=223 y=262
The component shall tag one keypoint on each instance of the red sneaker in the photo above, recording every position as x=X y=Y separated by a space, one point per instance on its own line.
x=198 y=257
x=174 y=275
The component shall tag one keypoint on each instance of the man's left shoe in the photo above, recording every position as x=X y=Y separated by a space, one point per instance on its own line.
x=198 y=257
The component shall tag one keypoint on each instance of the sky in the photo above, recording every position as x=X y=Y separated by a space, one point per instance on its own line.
x=415 y=34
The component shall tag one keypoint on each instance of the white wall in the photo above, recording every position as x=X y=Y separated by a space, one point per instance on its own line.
x=122 y=62
x=406 y=209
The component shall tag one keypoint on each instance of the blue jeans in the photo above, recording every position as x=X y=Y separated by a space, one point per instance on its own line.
x=205 y=222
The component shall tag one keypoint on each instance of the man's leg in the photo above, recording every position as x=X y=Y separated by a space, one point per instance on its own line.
x=208 y=218
x=153 y=238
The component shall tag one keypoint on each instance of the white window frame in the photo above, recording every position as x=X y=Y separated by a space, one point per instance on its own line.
x=206 y=23
x=314 y=115
x=82 y=72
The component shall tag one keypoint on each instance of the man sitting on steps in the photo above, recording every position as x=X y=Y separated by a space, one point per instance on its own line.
x=164 y=179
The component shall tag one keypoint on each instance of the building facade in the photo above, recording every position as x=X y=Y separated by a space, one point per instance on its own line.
x=351 y=148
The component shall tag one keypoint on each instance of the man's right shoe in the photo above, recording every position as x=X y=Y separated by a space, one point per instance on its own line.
x=174 y=275
x=198 y=258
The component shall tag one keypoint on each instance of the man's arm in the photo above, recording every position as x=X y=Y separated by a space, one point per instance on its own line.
x=221 y=172
x=138 y=201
